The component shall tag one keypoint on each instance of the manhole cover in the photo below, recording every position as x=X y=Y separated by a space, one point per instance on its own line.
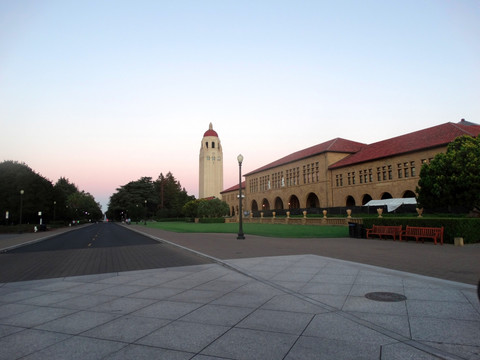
x=385 y=296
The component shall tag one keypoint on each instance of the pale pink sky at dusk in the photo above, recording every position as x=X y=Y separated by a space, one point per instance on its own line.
x=105 y=92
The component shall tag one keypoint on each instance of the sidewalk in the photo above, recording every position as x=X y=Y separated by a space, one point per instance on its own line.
x=276 y=307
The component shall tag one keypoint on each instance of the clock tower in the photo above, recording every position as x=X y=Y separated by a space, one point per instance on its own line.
x=210 y=165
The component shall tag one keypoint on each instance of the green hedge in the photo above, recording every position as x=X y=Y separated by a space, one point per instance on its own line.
x=467 y=228
x=212 y=220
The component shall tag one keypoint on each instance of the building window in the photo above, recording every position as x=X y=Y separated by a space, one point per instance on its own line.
x=349 y=179
x=399 y=170
x=360 y=175
x=379 y=178
x=384 y=173
x=339 y=180
x=412 y=168
x=390 y=177
x=353 y=178
x=213 y=145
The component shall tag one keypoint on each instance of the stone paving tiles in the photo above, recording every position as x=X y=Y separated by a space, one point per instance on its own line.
x=288 y=307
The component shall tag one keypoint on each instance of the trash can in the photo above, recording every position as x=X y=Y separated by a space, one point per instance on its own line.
x=352 y=228
x=359 y=231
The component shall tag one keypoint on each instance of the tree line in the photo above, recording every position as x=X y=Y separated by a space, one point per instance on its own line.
x=26 y=197
x=163 y=198
x=144 y=199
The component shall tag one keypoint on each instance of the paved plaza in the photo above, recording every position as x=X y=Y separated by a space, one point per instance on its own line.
x=300 y=306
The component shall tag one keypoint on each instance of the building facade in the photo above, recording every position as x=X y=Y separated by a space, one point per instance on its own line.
x=340 y=172
x=231 y=196
x=210 y=165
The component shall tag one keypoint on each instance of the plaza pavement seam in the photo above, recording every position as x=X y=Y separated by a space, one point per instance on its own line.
x=395 y=336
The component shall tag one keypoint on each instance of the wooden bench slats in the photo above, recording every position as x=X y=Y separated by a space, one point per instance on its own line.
x=383 y=230
x=417 y=232
x=421 y=233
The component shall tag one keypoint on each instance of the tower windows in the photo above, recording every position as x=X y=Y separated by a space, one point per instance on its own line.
x=213 y=144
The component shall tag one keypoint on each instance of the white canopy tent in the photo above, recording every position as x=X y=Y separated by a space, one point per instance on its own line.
x=392 y=204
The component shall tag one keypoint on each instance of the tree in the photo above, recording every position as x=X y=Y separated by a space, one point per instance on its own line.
x=62 y=190
x=165 y=198
x=40 y=195
x=212 y=208
x=129 y=200
x=37 y=193
x=190 y=209
x=171 y=196
x=82 y=207
x=452 y=178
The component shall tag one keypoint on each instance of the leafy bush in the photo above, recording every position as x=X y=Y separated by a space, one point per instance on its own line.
x=212 y=220
x=467 y=228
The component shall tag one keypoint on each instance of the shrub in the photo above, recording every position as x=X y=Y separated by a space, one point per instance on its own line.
x=212 y=220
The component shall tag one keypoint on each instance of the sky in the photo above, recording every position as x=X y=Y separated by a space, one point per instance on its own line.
x=106 y=92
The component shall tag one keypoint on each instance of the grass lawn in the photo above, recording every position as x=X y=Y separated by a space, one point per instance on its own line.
x=272 y=230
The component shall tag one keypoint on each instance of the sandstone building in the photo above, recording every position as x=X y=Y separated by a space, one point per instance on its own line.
x=210 y=165
x=341 y=172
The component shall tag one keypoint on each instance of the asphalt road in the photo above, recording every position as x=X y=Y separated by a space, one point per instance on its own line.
x=95 y=249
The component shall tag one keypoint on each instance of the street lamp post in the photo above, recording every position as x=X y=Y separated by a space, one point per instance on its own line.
x=145 y=212
x=21 y=205
x=240 y=236
x=54 y=208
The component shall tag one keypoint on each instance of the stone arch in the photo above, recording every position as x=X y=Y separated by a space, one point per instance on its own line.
x=350 y=201
x=278 y=203
x=254 y=205
x=386 y=195
x=294 y=203
x=366 y=198
x=265 y=204
x=408 y=194
x=313 y=201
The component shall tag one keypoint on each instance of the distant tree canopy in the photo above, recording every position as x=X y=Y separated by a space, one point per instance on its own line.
x=145 y=198
x=40 y=195
x=452 y=178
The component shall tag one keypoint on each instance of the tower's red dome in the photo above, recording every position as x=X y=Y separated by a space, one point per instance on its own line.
x=210 y=131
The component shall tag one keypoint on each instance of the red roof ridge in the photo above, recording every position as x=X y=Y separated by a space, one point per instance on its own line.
x=431 y=137
x=338 y=145
x=232 y=188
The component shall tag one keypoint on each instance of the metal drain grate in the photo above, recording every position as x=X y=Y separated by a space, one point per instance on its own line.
x=385 y=296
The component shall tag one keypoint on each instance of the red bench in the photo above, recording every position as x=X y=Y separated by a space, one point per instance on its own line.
x=421 y=233
x=382 y=230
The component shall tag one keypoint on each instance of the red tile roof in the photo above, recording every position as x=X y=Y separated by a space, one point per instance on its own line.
x=233 y=188
x=210 y=133
x=338 y=145
x=432 y=137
